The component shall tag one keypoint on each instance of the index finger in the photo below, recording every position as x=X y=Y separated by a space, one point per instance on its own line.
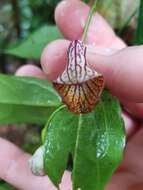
x=70 y=17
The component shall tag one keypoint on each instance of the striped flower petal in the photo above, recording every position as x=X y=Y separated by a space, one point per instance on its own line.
x=79 y=86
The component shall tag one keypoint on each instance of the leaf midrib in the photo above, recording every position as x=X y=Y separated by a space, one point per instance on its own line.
x=77 y=143
x=76 y=146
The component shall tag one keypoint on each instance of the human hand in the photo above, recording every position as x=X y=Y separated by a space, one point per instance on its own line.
x=13 y=162
x=123 y=72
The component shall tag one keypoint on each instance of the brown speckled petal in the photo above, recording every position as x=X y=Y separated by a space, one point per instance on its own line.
x=81 y=98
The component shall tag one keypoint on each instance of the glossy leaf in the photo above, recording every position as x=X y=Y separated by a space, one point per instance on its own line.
x=99 y=145
x=20 y=114
x=32 y=47
x=96 y=141
x=60 y=140
x=26 y=99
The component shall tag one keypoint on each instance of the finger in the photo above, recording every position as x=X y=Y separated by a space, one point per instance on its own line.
x=54 y=58
x=135 y=109
x=133 y=156
x=131 y=125
x=130 y=175
x=14 y=169
x=31 y=70
x=123 y=71
x=72 y=26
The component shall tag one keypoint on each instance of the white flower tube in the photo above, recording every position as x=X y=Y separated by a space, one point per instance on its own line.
x=36 y=162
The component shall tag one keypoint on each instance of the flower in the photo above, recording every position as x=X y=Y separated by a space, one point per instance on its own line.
x=79 y=86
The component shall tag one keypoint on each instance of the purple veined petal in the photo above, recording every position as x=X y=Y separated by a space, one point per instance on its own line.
x=79 y=86
x=77 y=70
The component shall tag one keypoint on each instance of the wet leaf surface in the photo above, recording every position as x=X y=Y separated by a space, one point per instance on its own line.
x=95 y=140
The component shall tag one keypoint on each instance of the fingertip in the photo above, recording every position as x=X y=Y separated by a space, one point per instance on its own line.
x=130 y=124
x=70 y=17
x=31 y=70
x=134 y=109
x=54 y=58
x=66 y=181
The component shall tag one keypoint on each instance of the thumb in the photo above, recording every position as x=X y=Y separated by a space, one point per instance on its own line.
x=122 y=70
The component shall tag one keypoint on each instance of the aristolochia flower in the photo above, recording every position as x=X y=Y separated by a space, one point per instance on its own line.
x=79 y=86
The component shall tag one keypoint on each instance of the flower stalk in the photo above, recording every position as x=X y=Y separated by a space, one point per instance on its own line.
x=89 y=18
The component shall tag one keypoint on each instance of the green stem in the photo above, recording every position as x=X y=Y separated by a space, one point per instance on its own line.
x=89 y=18
x=44 y=131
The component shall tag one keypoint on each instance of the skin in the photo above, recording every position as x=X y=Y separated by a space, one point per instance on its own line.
x=123 y=70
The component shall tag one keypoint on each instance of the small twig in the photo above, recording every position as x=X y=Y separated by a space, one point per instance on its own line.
x=89 y=18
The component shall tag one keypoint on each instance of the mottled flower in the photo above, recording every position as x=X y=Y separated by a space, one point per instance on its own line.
x=79 y=86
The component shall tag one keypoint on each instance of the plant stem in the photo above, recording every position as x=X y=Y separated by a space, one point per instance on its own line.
x=89 y=18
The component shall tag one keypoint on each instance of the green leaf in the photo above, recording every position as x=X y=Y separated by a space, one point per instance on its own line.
x=26 y=99
x=20 y=114
x=99 y=145
x=5 y=186
x=32 y=47
x=60 y=140
x=139 y=31
x=96 y=141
